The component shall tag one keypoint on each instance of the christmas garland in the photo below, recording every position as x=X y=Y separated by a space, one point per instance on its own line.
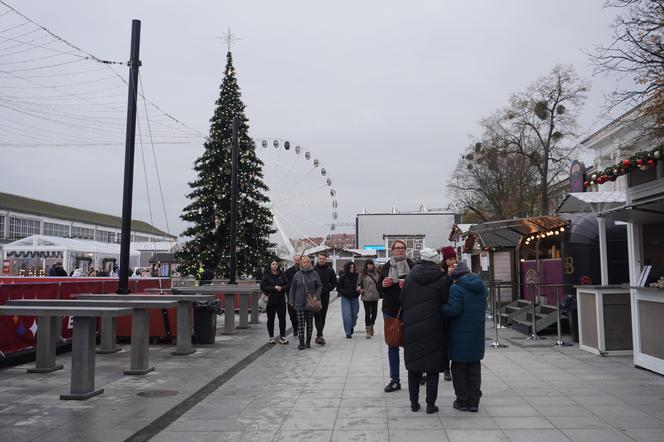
x=643 y=160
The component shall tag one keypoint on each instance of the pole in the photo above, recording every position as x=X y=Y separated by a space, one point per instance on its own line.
x=559 y=342
x=128 y=185
x=233 y=232
x=496 y=316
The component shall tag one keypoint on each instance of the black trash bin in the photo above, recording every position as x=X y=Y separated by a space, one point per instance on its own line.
x=205 y=324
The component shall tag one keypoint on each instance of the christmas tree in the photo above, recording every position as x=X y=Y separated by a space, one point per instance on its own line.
x=210 y=196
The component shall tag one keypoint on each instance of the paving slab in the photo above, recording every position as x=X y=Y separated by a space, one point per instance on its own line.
x=256 y=392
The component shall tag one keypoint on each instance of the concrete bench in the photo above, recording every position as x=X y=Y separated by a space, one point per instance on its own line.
x=83 y=345
x=140 y=325
x=248 y=293
x=184 y=314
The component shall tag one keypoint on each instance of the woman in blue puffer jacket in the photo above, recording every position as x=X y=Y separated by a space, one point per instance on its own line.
x=466 y=305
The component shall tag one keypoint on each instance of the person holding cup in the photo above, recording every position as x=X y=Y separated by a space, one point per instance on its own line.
x=390 y=283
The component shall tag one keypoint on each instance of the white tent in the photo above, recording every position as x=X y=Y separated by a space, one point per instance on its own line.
x=38 y=246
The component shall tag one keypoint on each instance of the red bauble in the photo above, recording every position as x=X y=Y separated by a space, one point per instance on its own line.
x=600 y=180
x=626 y=163
x=639 y=162
x=651 y=163
x=586 y=184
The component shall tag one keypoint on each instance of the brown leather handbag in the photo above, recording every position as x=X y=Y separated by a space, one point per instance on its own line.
x=393 y=331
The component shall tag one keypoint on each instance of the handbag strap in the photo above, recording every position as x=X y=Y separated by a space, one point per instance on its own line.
x=304 y=283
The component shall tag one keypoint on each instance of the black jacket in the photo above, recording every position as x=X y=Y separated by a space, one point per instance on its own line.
x=347 y=285
x=425 y=338
x=391 y=294
x=59 y=271
x=327 y=277
x=269 y=281
x=290 y=272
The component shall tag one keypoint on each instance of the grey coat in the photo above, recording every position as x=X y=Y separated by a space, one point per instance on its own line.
x=304 y=282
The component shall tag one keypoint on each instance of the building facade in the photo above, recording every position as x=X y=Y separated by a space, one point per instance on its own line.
x=424 y=228
x=21 y=217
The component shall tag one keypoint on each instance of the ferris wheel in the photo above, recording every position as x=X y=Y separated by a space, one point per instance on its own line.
x=303 y=200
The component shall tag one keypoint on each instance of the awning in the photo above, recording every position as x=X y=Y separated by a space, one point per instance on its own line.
x=519 y=226
x=594 y=202
x=647 y=211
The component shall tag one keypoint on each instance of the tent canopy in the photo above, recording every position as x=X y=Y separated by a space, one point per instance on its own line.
x=54 y=243
x=646 y=211
x=518 y=226
x=594 y=202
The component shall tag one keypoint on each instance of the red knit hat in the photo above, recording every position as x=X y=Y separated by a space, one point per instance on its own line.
x=448 y=252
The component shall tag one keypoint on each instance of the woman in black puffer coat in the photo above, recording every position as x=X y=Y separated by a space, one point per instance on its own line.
x=350 y=305
x=425 y=340
x=275 y=285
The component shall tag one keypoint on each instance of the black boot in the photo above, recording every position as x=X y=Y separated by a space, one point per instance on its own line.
x=415 y=406
x=301 y=346
x=309 y=342
x=431 y=409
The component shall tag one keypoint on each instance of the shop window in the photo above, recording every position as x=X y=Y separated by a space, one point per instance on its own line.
x=23 y=227
x=53 y=229
x=2 y=226
x=104 y=236
x=82 y=233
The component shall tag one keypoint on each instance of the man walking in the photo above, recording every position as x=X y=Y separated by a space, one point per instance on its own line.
x=329 y=281
x=290 y=272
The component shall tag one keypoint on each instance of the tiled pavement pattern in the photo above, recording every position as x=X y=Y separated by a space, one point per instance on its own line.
x=531 y=393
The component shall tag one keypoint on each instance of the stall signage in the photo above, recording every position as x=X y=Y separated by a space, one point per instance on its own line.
x=577 y=176
x=5 y=267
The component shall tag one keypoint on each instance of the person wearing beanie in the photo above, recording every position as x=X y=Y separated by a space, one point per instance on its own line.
x=424 y=291
x=465 y=307
x=448 y=264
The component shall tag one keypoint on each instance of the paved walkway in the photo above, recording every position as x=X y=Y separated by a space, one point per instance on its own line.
x=335 y=393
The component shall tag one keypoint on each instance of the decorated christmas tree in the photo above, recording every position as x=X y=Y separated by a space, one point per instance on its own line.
x=210 y=197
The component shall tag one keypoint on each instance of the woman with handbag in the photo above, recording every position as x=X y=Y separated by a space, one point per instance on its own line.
x=304 y=296
x=424 y=331
x=275 y=285
x=392 y=278
x=366 y=287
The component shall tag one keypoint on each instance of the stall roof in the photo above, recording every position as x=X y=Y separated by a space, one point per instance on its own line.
x=647 y=211
x=518 y=226
x=591 y=202
x=41 y=242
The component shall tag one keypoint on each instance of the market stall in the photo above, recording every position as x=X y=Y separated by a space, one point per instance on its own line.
x=644 y=213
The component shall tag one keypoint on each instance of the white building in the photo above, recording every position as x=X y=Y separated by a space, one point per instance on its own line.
x=22 y=217
x=643 y=211
x=423 y=228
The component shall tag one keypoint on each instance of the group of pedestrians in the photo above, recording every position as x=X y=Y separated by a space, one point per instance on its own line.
x=439 y=301
x=289 y=291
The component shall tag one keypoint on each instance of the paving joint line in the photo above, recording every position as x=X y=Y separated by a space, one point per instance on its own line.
x=165 y=420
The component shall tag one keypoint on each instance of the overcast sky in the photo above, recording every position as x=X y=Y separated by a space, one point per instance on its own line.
x=385 y=93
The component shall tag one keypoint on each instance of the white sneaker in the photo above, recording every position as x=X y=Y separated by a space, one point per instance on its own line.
x=272 y=341
x=283 y=340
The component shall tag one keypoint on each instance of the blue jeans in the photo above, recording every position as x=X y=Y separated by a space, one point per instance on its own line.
x=349 y=309
x=393 y=359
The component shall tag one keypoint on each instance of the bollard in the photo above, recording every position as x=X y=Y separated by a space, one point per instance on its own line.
x=534 y=336
x=491 y=295
x=496 y=318
x=500 y=317
x=559 y=342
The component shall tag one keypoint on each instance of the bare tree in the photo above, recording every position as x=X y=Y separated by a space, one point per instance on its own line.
x=540 y=124
x=491 y=184
x=637 y=52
